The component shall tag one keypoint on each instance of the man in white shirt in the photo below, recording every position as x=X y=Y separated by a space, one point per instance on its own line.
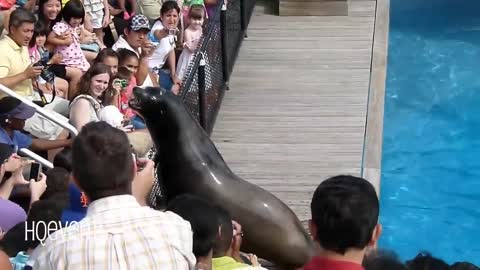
x=117 y=232
x=135 y=39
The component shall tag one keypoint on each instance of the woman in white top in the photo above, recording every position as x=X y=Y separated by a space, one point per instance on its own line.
x=163 y=36
x=87 y=106
x=94 y=103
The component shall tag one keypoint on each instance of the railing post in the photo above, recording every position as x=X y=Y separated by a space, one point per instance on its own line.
x=223 y=29
x=202 y=101
x=243 y=18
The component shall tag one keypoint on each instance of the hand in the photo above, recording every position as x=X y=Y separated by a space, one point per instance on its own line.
x=56 y=59
x=176 y=89
x=37 y=188
x=67 y=38
x=17 y=177
x=14 y=163
x=147 y=49
x=253 y=259
x=65 y=35
x=106 y=19
x=236 y=240
x=143 y=182
x=32 y=72
x=47 y=88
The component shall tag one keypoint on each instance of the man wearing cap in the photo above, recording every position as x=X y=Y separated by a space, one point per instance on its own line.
x=13 y=114
x=135 y=39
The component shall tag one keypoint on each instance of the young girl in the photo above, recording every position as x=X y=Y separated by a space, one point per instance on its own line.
x=65 y=36
x=128 y=60
x=98 y=16
x=193 y=33
x=122 y=91
x=36 y=47
x=187 y=7
x=39 y=53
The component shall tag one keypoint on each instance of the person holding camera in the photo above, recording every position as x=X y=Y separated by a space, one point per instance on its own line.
x=18 y=74
x=163 y=35
x=12 y=164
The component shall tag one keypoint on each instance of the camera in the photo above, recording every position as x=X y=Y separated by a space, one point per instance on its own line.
x=122 y=83
x=46 y=76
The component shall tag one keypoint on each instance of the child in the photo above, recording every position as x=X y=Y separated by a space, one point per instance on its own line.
x=124 y=88
x=193 y=33
x=36 y=47
x=99 y=17
x=128 y=60
x=187 y=7
x=39 y=54
x=65 y=36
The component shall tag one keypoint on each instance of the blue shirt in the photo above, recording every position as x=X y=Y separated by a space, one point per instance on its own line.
x=18 y=140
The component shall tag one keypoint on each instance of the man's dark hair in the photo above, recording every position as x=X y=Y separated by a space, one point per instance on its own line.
x=425 y=261
x=102 y=161
x=463 y=266
x=46 y=211
x=73 y=9
x=345 y=212
x=224 y=240
x=20 y=16
x=15 y=239
x=382 y=260
x=58 y=180
x=64 y=159
x=203 y=218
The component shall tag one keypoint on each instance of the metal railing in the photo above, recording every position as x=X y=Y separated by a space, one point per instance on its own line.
x=5 y=90
x=209 y=72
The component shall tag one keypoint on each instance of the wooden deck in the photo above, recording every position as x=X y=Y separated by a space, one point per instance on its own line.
x=296 y=111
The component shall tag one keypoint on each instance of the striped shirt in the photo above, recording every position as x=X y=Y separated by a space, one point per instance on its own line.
x=116 y=234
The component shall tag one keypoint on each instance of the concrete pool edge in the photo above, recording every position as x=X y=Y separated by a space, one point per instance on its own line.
x=373 y=140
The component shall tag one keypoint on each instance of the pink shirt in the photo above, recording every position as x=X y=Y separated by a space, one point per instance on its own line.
x=125 y=97
x=72 y=54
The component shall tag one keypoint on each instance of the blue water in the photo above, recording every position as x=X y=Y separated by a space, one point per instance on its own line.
x=430 y=189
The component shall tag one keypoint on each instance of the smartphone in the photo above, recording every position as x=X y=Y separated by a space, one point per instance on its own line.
x=35 y=170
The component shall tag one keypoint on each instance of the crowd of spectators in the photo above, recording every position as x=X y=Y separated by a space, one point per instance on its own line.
x=90 y=211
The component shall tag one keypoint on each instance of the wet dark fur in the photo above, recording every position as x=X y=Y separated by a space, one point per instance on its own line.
x=190 y=163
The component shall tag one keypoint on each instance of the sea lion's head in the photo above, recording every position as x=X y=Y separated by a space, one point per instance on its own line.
x=152 y=102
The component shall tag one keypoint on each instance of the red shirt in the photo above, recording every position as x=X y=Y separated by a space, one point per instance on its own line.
x=318 y=263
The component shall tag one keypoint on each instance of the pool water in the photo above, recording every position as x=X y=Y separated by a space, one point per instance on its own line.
x=430 y=186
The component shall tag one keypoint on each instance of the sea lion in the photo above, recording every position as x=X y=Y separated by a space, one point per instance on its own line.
x=189 y=162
